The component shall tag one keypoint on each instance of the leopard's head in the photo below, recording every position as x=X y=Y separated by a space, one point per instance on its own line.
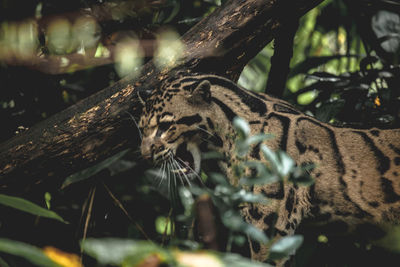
x=176 y=125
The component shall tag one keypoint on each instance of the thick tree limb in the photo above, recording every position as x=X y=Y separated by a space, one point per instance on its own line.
x=98 y=126
x=280 y=61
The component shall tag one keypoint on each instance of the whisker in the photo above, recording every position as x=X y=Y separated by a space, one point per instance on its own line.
x=136 y=151
x=177 y=165
x=174 y=177
x=168 y=177
x=162 y=169
x=182 y=173
x=182 y=166
x=204 y=130
x=165 y=173
x=207 y=141
x=193 y=171
x=187 y=179
x=177 y=170
x=137 y=126
x=173 y=186
x=207 y=132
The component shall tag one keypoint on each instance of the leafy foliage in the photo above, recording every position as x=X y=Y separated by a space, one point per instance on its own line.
x=118 y=252
x=285 y=246
x=227 y=198
x=27 y=206
x=344 y=68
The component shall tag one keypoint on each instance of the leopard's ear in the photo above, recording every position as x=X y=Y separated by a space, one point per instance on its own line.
x=201 y=93
x=143 y=95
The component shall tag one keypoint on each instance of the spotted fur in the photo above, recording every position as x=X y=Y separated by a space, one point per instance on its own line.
x=357 y=174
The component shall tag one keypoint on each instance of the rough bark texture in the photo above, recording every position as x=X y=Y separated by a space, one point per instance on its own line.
x=99 y=126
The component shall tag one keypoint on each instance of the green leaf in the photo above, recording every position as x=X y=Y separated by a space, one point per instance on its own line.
x=258 y=138
x=27 y=206
x=122 y=252
x=89 y=172
x=329 y=110
x=263 y=174
x=286 y=163
x=219 y=178
x=187 y=200
x=307 y=97
x=26 y=251
x=222 y=190
x=163 y=225
x=242 y=148
x=385 y=25
x=285 y=247
x=175 y=9
x=198 y=190
x=249 y=197
x=234 y=221
x=239 y=240
x=280 y=162
x=301 y=175
x=47 y=199
x=3 y=263
x=255 y=234
x=242 y=127
x=312 y=62
x=271 y=156
x=115 y=251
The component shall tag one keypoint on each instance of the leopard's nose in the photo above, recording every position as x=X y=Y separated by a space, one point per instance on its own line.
x=145 y=149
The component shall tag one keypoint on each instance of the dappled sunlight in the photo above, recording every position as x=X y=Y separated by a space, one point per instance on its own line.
x=59 y=36
x=18 y=40
x=69 y=42
x=85 y=33
x=128 y=56
x=169 y=49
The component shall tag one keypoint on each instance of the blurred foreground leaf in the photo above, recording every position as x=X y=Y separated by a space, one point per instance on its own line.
x=124 y=252
x=26 y=251
x=120 y=251
x=27 y=206
x=285 y=247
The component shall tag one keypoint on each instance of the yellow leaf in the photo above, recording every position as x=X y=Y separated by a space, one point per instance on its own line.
x=377 y=101
x=62 y=258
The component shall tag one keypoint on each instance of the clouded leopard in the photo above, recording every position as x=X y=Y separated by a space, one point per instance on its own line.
x=357 y=174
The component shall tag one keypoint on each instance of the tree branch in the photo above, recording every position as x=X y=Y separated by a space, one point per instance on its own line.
x=98 y=126
x=280 y=61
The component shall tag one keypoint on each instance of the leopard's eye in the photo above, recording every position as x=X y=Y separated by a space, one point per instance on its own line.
x=162 y=127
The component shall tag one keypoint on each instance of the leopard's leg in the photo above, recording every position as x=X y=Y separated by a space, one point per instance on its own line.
x=288 y=205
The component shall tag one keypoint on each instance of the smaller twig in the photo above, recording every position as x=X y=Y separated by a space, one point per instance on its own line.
x=119 y=204
x=88 y=215
x=166 y=227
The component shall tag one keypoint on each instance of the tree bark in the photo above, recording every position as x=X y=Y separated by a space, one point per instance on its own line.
x=99 y=126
